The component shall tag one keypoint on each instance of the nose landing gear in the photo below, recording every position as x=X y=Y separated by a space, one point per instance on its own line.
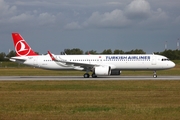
x=154 y=75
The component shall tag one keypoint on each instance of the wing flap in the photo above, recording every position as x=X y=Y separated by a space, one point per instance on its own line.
x=81 y=64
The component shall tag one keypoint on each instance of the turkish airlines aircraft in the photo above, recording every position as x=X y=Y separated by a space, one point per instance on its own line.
x=99 y=64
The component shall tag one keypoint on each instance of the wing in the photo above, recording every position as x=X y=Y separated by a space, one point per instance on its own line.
x=84 y=65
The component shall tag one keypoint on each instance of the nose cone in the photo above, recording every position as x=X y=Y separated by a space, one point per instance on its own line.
x=171 y=64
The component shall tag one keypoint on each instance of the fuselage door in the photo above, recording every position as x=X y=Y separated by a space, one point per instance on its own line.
x=35 y=61
x=153 y=60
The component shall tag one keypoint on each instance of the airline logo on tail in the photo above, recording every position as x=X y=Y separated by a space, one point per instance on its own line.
x=21 y=46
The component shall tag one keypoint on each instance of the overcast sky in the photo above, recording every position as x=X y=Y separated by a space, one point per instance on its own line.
x=56 y=25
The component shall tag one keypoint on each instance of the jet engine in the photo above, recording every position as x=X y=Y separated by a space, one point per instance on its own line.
x=102 y=70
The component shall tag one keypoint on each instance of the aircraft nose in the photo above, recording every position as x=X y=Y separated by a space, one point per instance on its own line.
x=172 y=64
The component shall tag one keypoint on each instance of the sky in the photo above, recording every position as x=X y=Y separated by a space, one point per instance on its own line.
x=97 y=25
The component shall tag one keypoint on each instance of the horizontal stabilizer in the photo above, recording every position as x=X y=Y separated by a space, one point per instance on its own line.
x=17 y=59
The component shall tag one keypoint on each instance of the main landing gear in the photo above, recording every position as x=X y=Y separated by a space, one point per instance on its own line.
x=154 y=75
x=94 y=75
x=86 y=75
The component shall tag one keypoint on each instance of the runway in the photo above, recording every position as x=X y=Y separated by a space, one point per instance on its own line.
x=60 y=78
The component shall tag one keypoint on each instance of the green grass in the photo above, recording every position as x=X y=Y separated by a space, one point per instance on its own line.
x=36 y=72
x=137 y=100
x=100 y=100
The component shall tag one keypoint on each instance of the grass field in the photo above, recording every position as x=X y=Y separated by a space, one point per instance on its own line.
x=79 y=100
x=137 y=100
x=100 y=100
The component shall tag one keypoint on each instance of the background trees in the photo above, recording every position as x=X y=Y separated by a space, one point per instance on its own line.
x=2 y=56
x=73 y=51
x=171 y=54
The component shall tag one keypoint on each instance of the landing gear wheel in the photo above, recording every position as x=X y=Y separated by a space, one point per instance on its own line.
x=155 y=75
x=94 y=75
x=86 y=75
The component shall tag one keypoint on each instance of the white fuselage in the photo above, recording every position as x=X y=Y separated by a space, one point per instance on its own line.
x=120 y=62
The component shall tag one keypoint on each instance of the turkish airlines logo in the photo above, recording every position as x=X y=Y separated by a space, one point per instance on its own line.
x=21 y=48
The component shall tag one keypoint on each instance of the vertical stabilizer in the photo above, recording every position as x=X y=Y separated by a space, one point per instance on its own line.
x=21 y=46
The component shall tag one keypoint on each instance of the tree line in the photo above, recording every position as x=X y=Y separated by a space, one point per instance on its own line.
x=171 y=54
x=106 y=51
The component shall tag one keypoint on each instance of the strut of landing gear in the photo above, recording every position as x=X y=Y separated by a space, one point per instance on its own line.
x=154 y=75
x=94 y=75
x=86 y=75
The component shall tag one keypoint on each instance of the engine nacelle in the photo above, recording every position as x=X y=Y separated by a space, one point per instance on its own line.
x=115 y=72
x=102 y=70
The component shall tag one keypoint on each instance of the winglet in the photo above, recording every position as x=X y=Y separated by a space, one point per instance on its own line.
x=51 y=55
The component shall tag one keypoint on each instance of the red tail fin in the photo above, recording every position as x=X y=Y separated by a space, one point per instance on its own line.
x=21 y=46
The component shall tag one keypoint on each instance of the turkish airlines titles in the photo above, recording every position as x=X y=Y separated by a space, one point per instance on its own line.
x=128 y=57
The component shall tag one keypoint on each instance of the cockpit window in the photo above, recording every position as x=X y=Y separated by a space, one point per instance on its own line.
x=165 y=59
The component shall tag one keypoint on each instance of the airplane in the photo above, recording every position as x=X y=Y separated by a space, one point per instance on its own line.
x=99 y=65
